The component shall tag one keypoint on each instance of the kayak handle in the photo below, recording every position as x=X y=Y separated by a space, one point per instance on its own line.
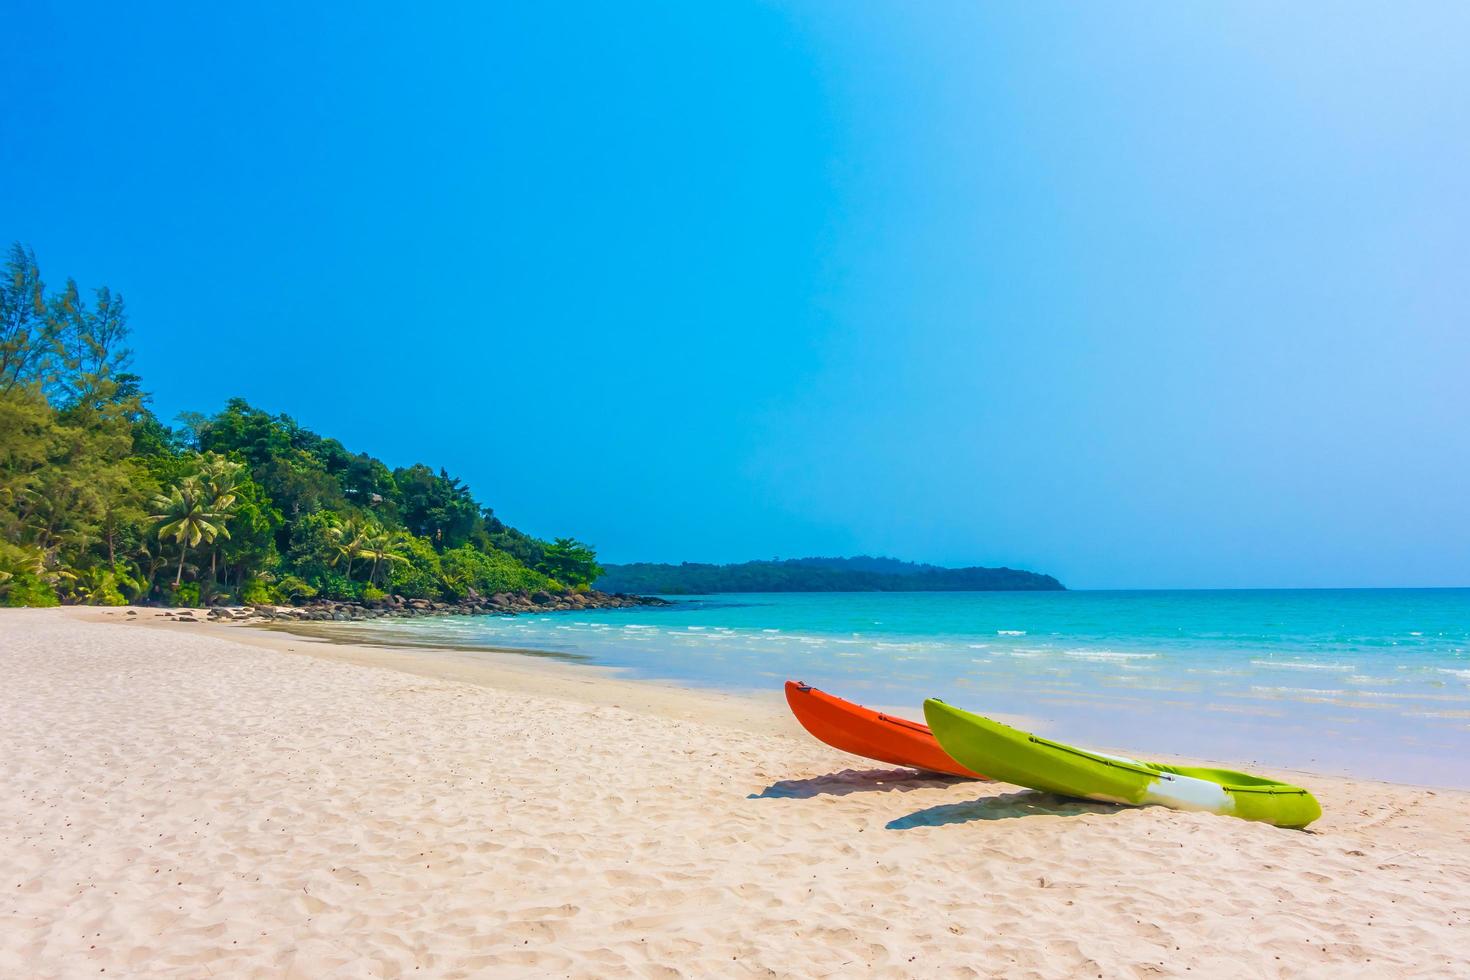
x=1141 y=770
x=1269 y=790
x=912 y=726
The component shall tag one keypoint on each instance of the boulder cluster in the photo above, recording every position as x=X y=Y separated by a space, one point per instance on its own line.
x=499 y=604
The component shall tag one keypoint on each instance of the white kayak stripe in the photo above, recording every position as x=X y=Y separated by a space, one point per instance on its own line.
x=1188 y=793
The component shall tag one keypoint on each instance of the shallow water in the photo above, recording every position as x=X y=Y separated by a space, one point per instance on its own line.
x=1371 y=682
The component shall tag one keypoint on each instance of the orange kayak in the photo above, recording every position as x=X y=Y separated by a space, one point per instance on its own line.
x=870 y=734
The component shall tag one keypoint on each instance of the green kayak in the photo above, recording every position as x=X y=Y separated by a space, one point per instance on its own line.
x=1013 y=756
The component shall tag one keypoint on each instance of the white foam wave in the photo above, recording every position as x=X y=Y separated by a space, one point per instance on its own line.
x=1300 y=665
x=1109 y=655
x=1010 y=632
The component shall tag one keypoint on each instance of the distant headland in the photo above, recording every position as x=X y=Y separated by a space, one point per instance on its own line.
x=860 y=574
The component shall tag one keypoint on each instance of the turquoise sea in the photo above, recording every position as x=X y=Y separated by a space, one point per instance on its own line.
x=1370 y=682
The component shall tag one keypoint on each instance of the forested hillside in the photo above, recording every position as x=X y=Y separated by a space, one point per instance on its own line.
x=102 y=502
x=862 y=574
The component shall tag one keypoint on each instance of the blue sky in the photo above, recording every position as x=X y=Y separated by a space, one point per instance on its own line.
x=1142 y=296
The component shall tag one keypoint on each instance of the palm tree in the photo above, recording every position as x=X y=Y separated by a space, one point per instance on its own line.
x=20 y=560
x=187 y=517
x=382 y=545
x=149 y=563
x=348 y=538
x=221 y=478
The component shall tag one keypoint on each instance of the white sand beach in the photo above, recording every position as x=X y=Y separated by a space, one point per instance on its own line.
x=198 y=800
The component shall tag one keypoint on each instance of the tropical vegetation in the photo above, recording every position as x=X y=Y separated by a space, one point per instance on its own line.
x=861 y=574
x=102 y=502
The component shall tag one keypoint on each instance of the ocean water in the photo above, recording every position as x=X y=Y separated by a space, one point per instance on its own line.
x=1375 y=683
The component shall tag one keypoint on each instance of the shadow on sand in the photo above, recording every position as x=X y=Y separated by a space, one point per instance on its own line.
x=1004 y=807
x=850 y=781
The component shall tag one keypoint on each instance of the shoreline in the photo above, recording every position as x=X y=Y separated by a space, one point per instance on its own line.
x=1335 y=704
x=1132 y=742
x=542 y=672
x=190 y=799
x=506 y=669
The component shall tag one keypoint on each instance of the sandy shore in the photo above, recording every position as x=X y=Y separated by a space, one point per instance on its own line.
x=219 y=801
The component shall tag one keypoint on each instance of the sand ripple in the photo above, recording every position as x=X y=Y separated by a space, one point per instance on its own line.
x=184 y=805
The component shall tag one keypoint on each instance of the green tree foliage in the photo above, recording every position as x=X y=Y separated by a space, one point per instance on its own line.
x=419 y=575
x=570 y=561
x=191 y=515
x=436 y=506
x=25 y=579
x=861 y=574
x=101 y=502
x=468 y=571
x=250 y=552
x=384 y=547
x=28 y=341
x=502 y=537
